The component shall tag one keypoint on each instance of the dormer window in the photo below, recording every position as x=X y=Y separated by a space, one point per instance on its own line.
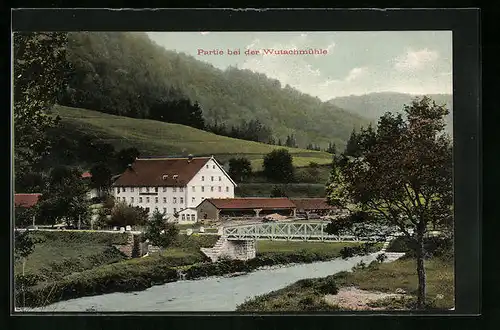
x=175 y=176
x=165 y=176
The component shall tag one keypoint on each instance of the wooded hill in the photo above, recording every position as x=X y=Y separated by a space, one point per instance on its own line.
x=127 y=74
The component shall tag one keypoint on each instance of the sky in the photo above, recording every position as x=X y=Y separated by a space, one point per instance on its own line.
x=355 y=63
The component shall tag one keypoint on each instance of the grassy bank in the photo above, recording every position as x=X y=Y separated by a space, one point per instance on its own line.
x=309 y=294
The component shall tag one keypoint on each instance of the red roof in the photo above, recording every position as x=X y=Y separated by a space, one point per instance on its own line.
x=26 y=200
x=153 y=172
x=251 y=203
x=312 y=204
x=86 y=175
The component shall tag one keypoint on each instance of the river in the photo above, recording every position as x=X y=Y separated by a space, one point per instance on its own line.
x=208 y=294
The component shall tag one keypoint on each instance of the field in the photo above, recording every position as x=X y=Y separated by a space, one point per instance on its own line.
x=291 y=190
x=158 y=138
x=297 y=246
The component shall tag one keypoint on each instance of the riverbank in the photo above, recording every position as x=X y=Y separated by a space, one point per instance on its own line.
x=183 y=261
x=377 y=286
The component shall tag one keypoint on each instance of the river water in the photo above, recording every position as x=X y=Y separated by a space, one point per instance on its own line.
x=208 y=294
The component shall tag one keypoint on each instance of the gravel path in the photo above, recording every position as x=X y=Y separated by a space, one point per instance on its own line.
x=352 y=298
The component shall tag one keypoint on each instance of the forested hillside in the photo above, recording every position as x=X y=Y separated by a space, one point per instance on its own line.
x=374 y=105
x=127 y=74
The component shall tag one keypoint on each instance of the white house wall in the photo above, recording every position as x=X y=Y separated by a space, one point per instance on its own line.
x=175 y=199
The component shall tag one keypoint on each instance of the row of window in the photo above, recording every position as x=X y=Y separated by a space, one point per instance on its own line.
x=174 y=189
x=212 y=178
x=184 y=217
x=165 y=200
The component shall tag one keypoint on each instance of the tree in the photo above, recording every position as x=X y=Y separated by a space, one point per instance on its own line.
x=352 y=146
x=278 y=166
x=402 y=175
x=126 y=215
x=313 y=169
x=40 y=75
x=278 y=191
x=240 y=168
x=159 y=232
x=64 y=197
x=126 y=156
x=23 y=216
x=101 y=178
x=332 y=148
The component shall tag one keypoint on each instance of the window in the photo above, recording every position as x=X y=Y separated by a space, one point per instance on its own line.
x=164 y=200
x=202 y=177
x=131 y=199
x=213 y=166
x=220 y=178
x=156 y=189
x=156 y=208
x=147 y=209
x=124 y=189
x=193 y=217
x=181 y=189
x=212 y=178
x=124 y=199
x=174 y=189
x=182 y=200
x=207 y=165
x=193 y=200
x=147 y=199
x=203 y=198
x=164 y=210
x=175 y=210
x=140 y=189
x=220 y=188
x=202 y=188
x=140 y=199
x=131 y=189
x=156 y=199
x=212 y=188
x=183 y=217
x=147 y=189
x=194 y=189
x=227 y=189
x=175 y=200
x=164 y=189
x=118 y=190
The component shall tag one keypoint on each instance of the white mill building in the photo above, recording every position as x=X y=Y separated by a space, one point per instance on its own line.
x=173 y=185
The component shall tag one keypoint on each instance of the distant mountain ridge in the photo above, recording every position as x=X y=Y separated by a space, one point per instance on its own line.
x=375 y=105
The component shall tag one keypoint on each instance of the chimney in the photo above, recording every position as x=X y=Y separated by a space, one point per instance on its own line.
x=190 y=158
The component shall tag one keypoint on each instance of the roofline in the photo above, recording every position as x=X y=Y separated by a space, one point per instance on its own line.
x=218 y=165
x=27 y=193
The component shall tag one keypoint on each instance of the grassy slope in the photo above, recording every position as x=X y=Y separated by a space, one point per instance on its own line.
x=157 y=138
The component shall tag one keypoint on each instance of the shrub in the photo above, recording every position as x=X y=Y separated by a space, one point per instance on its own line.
x=433 y=246
x=125 y=215
x=328 y=286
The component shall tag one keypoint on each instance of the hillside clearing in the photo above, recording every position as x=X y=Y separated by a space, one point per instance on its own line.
x=154 y=138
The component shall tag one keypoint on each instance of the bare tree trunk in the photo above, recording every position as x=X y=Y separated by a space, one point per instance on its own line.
x=421 y=268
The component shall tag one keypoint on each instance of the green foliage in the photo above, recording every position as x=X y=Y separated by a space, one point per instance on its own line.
x=126 y=215
x=402 y=173
x=278 y=166
x=64 y=198
x=128 y=74
x=24 y=244
x=159 y=232
x=40 y=71
x=291 y=190
x=278 y=192
x=23 y=216
x=439 y=247
x=126 y=156
x=101 y=177
x=239 y=168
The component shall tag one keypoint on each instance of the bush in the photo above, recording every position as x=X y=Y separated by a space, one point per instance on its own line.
x=328 y=286
x=125 y=215
x=62 y=237
x=441 y=247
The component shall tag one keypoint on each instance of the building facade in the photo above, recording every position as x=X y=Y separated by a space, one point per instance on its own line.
x=173 y=186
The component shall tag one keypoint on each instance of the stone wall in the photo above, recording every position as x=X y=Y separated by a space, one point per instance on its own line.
x=224 y=248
